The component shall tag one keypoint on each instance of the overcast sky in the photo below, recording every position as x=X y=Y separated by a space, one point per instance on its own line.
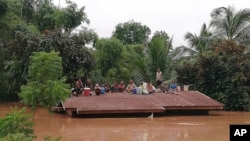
x=175 y=17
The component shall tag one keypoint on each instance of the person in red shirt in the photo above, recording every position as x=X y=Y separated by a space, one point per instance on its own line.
x=121 y=86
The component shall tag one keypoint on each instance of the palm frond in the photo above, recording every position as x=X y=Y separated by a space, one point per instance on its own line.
x=182 y=52
x=229 y=23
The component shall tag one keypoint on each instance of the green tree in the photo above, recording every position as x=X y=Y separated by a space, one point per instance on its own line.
x=3 y=7
x=220 y=75
x=142 y=60
x=137 y=61
x=28 y=9
x=85 y=36
x=29 y=26
x=132 y=32
x=158 y=52
x=49 y=17
x=230 y=24
x=108 y=52
x=46 y=15
x=16 y=125
x=45 y=84
x=74 y=16
x=199 y=43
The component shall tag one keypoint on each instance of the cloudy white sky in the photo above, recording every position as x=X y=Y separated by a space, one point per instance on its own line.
x=175 y=17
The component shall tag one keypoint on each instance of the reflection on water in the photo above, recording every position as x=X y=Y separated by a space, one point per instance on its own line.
x=213 y=127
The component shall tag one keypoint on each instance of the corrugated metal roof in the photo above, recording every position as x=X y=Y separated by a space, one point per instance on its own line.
x=135 y=103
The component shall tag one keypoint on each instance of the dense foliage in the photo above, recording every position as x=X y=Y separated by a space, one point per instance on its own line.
x=132 y=32
x=16 y=125
x=27 y=37
x=30 y=26
x=217 y=62
x=224 y=81
x=46 y=85
x=38 y=46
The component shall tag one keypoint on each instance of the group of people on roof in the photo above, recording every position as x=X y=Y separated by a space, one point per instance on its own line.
x=143 y=88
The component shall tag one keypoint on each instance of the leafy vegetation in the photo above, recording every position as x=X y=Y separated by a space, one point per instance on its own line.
x=132 y=32
x=45 y=85
x=221 y=71
x=17 y=125
x=30 y=26
x=39 y=46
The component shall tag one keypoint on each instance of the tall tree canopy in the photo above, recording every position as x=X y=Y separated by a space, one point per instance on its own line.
x=3 y=7
x=199 y=42
x=225 y=66
x=231 y=24
x=132 y=32
x=159 y=48
x=109 y=53
x=28 y=26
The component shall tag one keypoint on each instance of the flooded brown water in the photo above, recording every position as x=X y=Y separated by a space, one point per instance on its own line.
x=214 y=126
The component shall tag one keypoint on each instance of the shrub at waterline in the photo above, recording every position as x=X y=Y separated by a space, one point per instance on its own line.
x=46 y=85
x=17 y=125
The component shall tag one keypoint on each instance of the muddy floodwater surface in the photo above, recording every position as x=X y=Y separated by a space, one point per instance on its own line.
x=212 y=127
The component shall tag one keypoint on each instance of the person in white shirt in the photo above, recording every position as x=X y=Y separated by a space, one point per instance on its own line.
x=158 y=78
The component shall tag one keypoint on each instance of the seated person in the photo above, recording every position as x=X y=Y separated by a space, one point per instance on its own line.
x=97 y=89
x=114 y=88
x=106 y=87
x=88 y=84
x=149 y=88
x=121 y=86
x=78 y=86
x=165 y=87
x=130 y=86
x=73 y=92
x=173 y=87
x=144 y=88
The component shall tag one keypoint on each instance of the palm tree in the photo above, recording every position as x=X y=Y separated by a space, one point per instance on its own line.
x=159 y=49
x=201 y=42
x=229 y=24
x=155 y=54
x=197 y=45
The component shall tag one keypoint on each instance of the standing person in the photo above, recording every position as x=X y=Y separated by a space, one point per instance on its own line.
x=158 y=78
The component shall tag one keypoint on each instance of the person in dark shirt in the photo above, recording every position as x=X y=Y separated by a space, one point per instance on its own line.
x=106 y=86
x=114 y=88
